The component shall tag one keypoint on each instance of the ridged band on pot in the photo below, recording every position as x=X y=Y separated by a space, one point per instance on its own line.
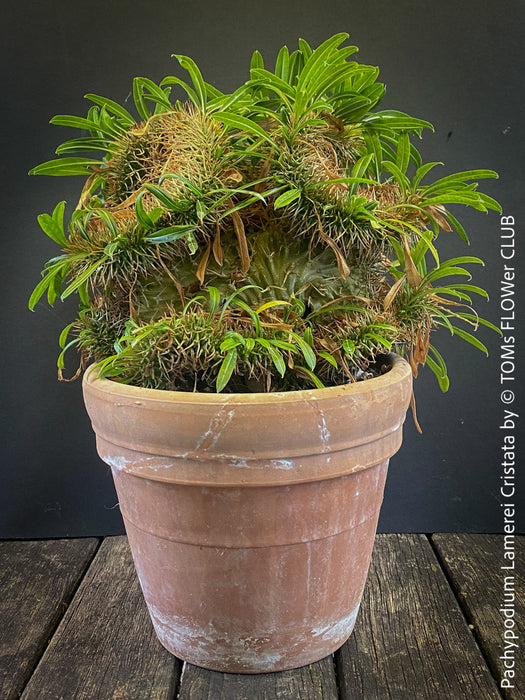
x=251 y=517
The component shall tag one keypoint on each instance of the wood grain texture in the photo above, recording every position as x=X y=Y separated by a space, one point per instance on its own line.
x=314 y=682
x=411 y=639
x=473 y=564
x=105 y=646
x=37 y=582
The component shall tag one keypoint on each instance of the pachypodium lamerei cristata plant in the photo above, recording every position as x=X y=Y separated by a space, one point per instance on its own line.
x=276 y=238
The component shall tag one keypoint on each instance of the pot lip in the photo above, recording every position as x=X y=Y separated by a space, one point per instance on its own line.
x=399 y=371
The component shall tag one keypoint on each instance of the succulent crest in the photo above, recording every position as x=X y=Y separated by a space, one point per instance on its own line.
x=276 y=238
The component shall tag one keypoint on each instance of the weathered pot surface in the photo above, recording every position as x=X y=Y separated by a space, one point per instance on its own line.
x=251 y=517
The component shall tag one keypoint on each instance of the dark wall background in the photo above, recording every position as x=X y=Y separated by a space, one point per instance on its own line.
x=458 y=64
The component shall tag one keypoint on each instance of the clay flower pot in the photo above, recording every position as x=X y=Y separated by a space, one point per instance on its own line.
x=251 y=517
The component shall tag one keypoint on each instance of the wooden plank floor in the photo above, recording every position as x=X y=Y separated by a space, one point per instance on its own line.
x=73 y=626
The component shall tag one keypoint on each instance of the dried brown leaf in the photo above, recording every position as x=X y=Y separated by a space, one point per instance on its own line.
x=414 y=414
x=412 y=274
x=217 y=248
x=342 y=265
x=201 y=270
x=233 y=175
x=393 y=292
x=238 y=225
x=439 y=213
x=85 y=195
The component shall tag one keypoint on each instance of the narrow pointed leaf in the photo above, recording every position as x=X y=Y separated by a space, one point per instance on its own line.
x=66 y=166
x=226 y=369
x=197 y=79
x=112 y=106
x=243 y=124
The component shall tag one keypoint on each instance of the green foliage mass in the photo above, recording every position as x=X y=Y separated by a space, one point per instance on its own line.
x=276 y=238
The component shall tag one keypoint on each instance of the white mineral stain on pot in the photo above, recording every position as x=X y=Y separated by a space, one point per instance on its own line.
x=120 y=463
x=337 y=630
x=324 y=433
x=209 y=646
x=217 y=425
x=282 y=463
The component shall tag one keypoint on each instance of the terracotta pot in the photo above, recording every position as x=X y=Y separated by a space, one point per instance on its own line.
x=251 y=517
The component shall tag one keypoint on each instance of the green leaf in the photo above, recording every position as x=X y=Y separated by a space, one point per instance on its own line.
x=462 y=260
x=251 y=313
x=306 y=350
x=329 y=358
x=470 y=199
x=191 y=242
x=349 y=347
x=422 y=171
x=142 y=216
x=170 y=233
x=75 y=122
x=359 y=169
x=140 y=102
x=271 y=304
x=66 y=166
x=277 y=360
x=226 y=370
x=154 y=94
x=231 y=342
x=399 y=176
x=243 y=124
x=52 y=229
x=263 y=78
x=316 y=65
x=256 y=60
x=379 y=339
x=60 y=359
x=305 y=49
x=82 y=278
x=442 y=377
x=282 y=65
x=197 y=79
x=458 y=227
x=212 y=92
x=283 y=345
x=470 y=339
x=215 y=298
x=351 y=107
x=473 y=289
x=63 y=336
x=172 y=80
x=403 y=152
x=490 y=202
x=58 y=217
x=106 y=217
x=374 y=147
x=86 y=144
x=112 y=106
x=442 y=271
x=296 y=65
x=399 y=121
x=458 y=178
x=39 y=290
x=287 y=198
x=316 y=381
x=175 y=176
x=477 y=319
x=162 y=196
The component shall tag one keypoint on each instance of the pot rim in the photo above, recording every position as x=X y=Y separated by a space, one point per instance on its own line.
x=399 y=370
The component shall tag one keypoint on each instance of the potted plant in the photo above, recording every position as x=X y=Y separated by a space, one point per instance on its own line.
x=242 y=262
